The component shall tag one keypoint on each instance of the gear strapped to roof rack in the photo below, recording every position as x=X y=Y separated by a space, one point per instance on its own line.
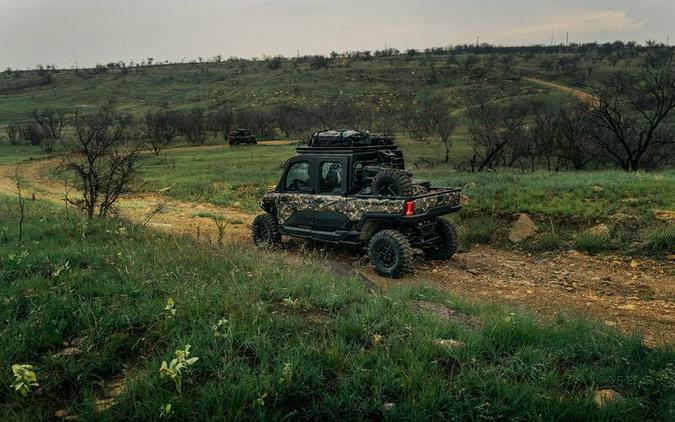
x=348 y=138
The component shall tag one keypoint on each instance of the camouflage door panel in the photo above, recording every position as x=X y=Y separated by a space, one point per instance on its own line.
x=353 y=208
x=423 y=204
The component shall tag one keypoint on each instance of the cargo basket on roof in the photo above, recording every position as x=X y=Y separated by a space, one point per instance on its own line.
x=348 y=138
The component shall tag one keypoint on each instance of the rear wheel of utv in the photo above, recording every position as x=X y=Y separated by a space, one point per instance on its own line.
x=390 y=253
x=448 y=240
x=392 y=182
x=265 y=231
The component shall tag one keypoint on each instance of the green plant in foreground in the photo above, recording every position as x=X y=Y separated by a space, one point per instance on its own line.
x=219 y=328
x=287 y=373
x=175 y=368
x=170 y=308
x=24 y=379
x=165 y=411
x=260 y=401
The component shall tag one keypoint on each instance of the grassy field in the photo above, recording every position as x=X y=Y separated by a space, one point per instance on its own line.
x=85 y=303
x=14 y=154
x=564 y=203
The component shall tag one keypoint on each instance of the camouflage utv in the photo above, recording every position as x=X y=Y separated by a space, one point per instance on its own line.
x=241 y=137
x=351 y=188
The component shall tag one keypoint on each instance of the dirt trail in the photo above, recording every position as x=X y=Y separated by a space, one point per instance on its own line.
x=578 y=93
x=627 y=294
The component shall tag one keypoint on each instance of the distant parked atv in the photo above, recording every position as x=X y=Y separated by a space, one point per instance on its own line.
x=241 y=136
x=351 y=188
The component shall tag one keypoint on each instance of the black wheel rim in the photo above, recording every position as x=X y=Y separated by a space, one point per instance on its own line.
x=385 y=253
x=387 y=189
x=261 y=234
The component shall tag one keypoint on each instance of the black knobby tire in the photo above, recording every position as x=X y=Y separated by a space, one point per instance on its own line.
x=448 y=240
x=392 y=182
x=265 y=231
x=390 y=253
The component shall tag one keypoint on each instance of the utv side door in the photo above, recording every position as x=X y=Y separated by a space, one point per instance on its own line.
x=296 y=199
x=330 y=219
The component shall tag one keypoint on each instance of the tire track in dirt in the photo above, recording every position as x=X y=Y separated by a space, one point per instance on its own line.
x=631 y=295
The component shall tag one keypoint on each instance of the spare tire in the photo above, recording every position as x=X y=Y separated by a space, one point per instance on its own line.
x=392 y=182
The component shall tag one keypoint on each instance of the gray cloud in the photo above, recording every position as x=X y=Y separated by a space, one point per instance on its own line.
x=95 y=31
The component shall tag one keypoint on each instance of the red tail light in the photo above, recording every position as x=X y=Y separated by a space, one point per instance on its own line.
x=409 y=208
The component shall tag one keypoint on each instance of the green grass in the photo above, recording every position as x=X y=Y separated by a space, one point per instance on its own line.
x=478 y=230
x=297 y=343
x=14 y=154
x=381 y=82
x=568 y=202
x=546 y=242
x=660 y=240
x=224 y=176
x=593 y=243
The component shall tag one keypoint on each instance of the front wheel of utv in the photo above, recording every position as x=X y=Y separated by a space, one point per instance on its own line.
x=448 y=240
x=390 y=253
x=265 y=231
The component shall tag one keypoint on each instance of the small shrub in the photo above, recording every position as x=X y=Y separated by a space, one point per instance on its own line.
x=546 y=242
x=592 y=243
x=165 y=411
x=478 y=230
x=24 y=379
x=170 y=308
x=660 y=240
x=175 y=368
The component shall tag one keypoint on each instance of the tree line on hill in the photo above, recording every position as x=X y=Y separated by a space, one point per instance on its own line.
x=628 y=124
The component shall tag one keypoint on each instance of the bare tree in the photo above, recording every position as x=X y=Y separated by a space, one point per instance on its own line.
x=507 y=63
x=296 y=120
x=260 y=122
x=629 y=126
x=220 y=121
x=491 y=131
x=470 y=61
x=573 y=141
x=13 y=131
x=50 y=122
x=161 y=128
x=192 y=125
x=432 y=121
x=104 y=156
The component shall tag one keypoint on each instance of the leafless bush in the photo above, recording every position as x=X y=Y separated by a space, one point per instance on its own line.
x=630 y=122
x=491 y=131
x=260 y=122
x=431 y=120
x=161 y=128
x=192 y=125
x=296 y=120
x=51 y=122
x=220 y=121
x=104 y=156
x=13 y=131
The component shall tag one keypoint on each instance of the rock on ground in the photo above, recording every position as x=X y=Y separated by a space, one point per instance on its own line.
x=523 y=228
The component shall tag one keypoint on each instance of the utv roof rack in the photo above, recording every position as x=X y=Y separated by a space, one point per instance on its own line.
x=343 y=150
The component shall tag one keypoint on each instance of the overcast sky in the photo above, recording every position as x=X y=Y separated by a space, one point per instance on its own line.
x=64 y=32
